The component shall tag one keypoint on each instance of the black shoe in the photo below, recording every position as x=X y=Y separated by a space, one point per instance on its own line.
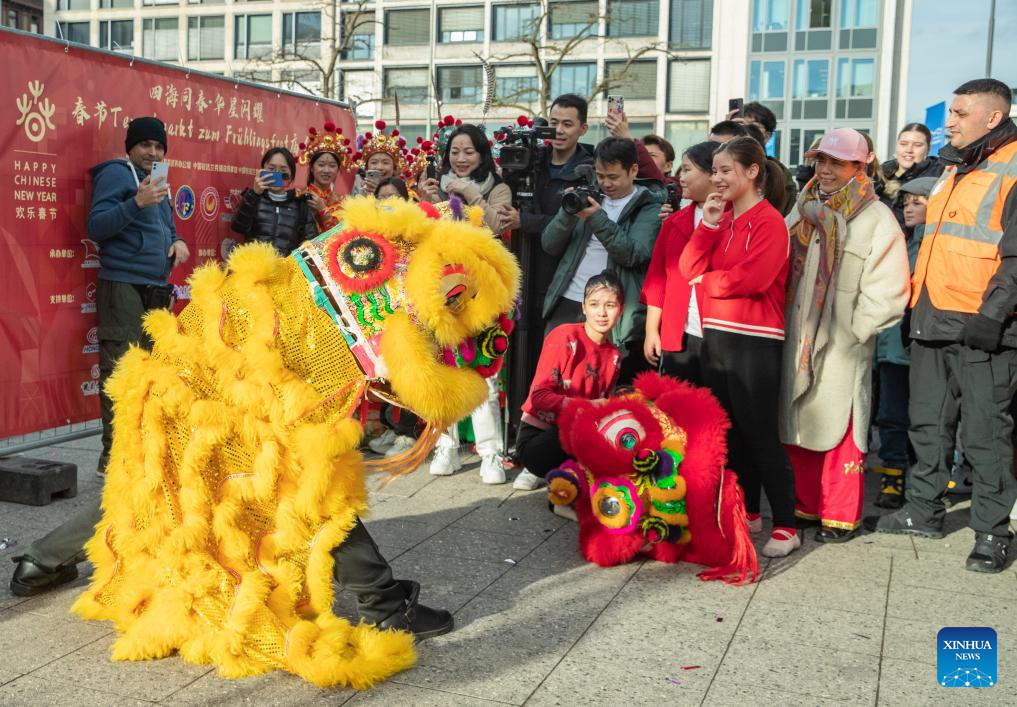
x=835 y=535
x=31 y=578
x=891 y=494
x=803 y=523
x=422 y=621
x=902 y=523
x=989 y=554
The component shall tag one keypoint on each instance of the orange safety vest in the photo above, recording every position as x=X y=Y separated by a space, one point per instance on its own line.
x=963 y=227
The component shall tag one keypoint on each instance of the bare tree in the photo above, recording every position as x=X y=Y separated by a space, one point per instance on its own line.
x=546 y=54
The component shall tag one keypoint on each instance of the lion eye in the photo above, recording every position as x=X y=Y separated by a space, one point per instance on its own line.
x=622 y=429
x=455 y=285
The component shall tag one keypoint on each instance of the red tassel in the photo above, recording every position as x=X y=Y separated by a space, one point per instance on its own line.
x=744 y=564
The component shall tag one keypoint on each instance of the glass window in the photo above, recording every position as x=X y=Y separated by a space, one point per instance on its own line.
x=691 y=24
x=461 y=24
x=770 y=15
x=302 y=33
x=858 y=13
x=516 y=84
x=206 y=37
x=514 y=21
x=74 y=5
x=359 y=87
x=814 y=14
x=160 y=2
x=206 y=2
x=569 y=19
x=252 y=36
x=574 y=78
x=855 y=78
x=632 y=18
x=360 y=30
x=117 y=35
x=812 y=78
x=460 y=84
x=258 y=76
x=683 y=134
x=160 y=38
x=301 y=81
x=637 y=80
x=598 y=131
x=407 y=27
x=766 y=80
x=689 y=87
x=115 y=4
x=73 y=31
x=410 y=84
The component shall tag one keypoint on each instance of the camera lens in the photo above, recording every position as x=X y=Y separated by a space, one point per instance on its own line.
x=573 y=202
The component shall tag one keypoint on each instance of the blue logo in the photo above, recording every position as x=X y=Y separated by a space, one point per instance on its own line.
x=184 y=203
x=966 y=657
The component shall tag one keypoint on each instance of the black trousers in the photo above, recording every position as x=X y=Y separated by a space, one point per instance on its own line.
x=539 y=450
x=687 y=364
x=950 y=381
x=120 y=308
x=892 y=416
x=359 y=565
x=744 y=373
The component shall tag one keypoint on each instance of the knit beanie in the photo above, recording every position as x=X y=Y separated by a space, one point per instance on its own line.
x=145 y=128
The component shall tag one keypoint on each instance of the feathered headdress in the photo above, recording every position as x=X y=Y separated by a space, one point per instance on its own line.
x=330 y=140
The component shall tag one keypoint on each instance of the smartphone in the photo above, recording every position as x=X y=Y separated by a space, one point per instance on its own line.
x=160 y=170
x=735 y=104
x=616 y=104
x=276 y=178
x=432 y=168
x=374 y=174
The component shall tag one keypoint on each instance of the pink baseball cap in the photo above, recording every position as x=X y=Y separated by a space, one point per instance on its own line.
x=844 y=144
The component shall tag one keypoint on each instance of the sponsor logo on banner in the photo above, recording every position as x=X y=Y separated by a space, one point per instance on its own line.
x=210 y=203
x=184 y=203
x=35 y=114
x=93 y=341
x=91 y=387
x=88 y=306
x=226 y=247
x=91 y=254
x=966 y=657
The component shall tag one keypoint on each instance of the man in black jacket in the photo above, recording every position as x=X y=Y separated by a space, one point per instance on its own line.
x=556 y=173
x=964 y=350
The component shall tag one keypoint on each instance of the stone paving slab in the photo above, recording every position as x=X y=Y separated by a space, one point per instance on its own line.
x=844 y=624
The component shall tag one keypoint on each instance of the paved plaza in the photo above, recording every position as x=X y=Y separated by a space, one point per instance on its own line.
x=536 y=625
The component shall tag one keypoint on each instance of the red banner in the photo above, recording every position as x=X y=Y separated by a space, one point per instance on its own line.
x=65 y=109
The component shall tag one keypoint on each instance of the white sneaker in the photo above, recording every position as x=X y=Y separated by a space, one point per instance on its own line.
x=491 y=469
x=755 y=525
x=381 y=443
x=781 y=544
x=402 y=444
x=568 y=512
x=527 y=481
x=445 y=461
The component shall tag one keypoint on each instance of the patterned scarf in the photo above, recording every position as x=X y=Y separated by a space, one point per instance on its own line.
x=830 y=217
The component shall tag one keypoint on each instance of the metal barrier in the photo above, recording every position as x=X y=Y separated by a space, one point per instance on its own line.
x=44 y=438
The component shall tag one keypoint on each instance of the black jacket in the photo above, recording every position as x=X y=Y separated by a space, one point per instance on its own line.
x=889 y=191
x=283 y=224
x=1000 y=297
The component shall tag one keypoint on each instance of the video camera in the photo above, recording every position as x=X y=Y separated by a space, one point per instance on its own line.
x=521 y=154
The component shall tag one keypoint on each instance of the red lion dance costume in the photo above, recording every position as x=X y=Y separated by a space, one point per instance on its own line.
x=650 y=475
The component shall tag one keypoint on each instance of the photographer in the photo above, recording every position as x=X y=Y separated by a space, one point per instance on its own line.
x=553 y=173
x=269 y=211
x=615 y=231
x=468 y=169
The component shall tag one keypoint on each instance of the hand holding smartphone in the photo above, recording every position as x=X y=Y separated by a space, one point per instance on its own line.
x=275 y=179
x=616 y=104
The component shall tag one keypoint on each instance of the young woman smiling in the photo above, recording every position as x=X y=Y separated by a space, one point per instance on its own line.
x=674 y=327
x=738 y=257
x=468 y=169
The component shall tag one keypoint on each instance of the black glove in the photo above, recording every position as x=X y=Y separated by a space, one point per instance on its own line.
x=905 y=328
x=984 y=333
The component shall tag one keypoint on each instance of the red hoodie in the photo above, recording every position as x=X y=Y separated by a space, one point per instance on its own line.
x=744 y=264
x=664 y=286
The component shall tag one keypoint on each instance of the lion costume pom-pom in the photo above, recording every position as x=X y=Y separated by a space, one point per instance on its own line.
x=649 y=475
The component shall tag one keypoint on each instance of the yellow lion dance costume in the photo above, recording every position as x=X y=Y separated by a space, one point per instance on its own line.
x=234 y=469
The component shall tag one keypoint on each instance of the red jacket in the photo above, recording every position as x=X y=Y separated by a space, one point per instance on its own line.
x=744 y=264
x=664 y=286
x=570 y=366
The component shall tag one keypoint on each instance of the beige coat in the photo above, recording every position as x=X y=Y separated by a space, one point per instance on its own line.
x=870 y=291
x=500 y=195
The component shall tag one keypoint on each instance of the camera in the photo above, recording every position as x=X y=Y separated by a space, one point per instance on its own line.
x=432 y=167
x=674 y=196
x=521 y=154
x=572 y=202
